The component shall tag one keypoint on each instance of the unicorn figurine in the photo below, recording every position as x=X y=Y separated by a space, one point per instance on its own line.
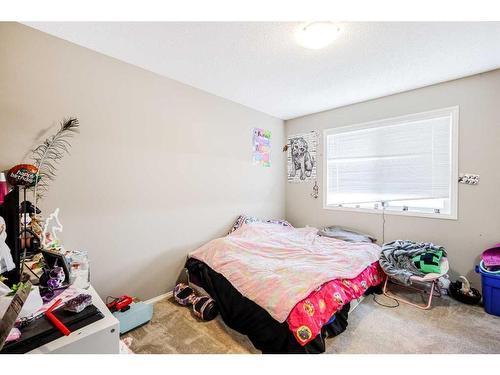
x=49 y=239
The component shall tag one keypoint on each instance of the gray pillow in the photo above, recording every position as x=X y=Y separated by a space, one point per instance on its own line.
x=345 y=234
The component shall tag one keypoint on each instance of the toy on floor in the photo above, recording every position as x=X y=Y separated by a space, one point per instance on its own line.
x=119 y=304
x=130 y=314
x=204 y=307
x=462 y=291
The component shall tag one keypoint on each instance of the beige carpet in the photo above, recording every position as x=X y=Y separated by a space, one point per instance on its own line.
x=449 y=327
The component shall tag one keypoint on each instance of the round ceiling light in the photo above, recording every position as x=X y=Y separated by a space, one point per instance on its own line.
x=317 y=35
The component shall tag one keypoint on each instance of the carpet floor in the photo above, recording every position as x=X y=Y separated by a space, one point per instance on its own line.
x=449 y=327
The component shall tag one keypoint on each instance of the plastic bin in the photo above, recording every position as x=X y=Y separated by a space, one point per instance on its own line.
x=491 y=291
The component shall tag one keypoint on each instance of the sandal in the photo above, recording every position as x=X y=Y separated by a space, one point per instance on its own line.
x=184 y=294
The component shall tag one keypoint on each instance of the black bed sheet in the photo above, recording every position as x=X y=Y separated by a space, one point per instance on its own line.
x=248 y=318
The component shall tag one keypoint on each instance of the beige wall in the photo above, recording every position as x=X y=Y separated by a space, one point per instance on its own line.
x=158 y=169
x=478 y=224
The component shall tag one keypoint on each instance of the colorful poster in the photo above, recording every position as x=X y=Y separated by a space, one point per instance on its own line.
x=261 y=147
x=301 y=157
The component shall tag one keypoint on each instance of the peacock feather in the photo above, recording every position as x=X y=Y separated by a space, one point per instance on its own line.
x=47 y=155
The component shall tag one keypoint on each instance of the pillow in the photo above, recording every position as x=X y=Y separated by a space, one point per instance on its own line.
x=429 y=262
x=345 y=234
x=242 y=219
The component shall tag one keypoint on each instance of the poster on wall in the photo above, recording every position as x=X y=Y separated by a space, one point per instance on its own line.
x=261 y=143
x=301 y=157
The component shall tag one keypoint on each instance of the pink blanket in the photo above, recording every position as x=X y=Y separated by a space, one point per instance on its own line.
x=277 y=267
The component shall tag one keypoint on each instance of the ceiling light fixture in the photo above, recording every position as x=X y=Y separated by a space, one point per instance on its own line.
x=317 y=35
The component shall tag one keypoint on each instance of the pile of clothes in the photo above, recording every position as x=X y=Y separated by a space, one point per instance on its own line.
x=402 y=259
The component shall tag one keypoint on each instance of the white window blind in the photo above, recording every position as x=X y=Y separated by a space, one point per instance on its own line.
x=400 y=162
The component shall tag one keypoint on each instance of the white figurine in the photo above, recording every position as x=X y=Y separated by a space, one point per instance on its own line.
x=49 y=237
x=6 y=262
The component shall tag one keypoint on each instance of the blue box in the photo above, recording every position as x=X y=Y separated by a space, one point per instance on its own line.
x=139 y=313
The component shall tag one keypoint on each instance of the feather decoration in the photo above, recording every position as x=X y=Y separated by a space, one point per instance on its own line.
x=47 y=155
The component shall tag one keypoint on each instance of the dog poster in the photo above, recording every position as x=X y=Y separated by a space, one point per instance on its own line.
x=301 y=157
x=261 y=143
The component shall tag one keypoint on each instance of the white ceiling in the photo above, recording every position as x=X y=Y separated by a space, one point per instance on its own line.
x=259 y=64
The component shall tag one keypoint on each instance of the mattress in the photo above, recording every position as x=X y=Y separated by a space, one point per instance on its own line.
x=286 y=288
x=277 y=267
x=246 y=317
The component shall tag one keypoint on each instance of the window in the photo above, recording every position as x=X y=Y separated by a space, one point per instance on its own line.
x=405 y=165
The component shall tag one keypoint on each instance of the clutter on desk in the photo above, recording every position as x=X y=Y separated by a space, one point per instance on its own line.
x=30 y=250
x=42 y=330
x=62 y=275
x=4 y=289
x=14 y=306
x=79 y=268
x=4 y=300
x=51 y=266
x=14 y=334
x=78 y=303
x=54 y=320
x=34 y=177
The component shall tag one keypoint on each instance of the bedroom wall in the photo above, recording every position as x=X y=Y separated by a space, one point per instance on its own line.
x=158 y=169
x=478 y=224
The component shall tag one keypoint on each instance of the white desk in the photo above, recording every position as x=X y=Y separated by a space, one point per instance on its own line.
x=101 y=337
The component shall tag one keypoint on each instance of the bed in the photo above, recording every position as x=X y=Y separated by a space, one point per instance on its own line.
x=286 y=288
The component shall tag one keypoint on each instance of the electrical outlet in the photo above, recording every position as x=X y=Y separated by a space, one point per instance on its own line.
x=468 y=179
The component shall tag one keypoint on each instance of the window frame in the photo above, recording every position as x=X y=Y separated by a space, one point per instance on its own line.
x=448 y=111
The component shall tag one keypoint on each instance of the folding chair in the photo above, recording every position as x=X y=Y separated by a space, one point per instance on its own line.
x=430 y=279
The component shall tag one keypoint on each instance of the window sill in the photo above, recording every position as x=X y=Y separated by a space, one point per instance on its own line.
x=452 y=216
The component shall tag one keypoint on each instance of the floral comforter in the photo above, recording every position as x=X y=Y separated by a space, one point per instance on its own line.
x=312 y=313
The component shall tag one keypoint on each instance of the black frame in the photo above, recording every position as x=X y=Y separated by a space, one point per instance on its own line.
x=52 y=258
x=10 y=212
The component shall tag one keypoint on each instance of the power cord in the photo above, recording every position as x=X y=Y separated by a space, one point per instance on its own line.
x=383 y=222
x=384 y=305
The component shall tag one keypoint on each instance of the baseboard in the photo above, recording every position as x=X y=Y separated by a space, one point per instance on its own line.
x=159 y=298
x=355 y=303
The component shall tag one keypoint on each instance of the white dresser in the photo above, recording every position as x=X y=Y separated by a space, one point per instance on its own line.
x=101 y=337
